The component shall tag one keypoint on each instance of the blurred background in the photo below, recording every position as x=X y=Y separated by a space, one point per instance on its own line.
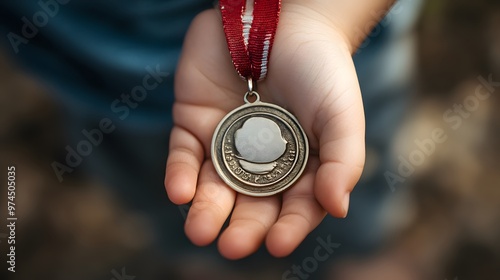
x=427 y=207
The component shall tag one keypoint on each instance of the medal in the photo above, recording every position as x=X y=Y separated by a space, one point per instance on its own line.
x=258 y=149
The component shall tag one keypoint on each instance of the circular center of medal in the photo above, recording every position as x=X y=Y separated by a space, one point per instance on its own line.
x=260 y=149
x=259 y=143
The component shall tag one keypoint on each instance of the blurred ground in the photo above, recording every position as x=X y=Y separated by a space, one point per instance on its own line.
x=445 y=216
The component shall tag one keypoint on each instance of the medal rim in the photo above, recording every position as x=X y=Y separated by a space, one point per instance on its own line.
x=228 y=181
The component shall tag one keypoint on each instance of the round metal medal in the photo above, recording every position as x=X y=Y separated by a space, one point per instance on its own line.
x=259 y=149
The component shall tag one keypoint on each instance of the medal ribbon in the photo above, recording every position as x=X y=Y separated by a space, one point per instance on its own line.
x=250 y=27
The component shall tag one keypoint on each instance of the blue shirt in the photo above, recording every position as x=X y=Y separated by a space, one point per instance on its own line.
x=90 y=53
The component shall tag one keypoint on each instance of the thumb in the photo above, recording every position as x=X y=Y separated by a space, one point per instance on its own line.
x=340 y=128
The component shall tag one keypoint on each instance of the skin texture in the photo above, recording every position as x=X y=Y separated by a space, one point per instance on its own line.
x=312 y=75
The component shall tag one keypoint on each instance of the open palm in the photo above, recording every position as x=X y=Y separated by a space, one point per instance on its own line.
x=311 y=74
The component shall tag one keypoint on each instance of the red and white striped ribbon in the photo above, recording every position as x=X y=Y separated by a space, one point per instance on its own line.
x=250 y=27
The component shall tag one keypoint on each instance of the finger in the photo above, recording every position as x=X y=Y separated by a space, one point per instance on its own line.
x=211 y=206
x=300 y=214
x=183 y=165
x=251 y=220
x=342 y=156
x=339 y=127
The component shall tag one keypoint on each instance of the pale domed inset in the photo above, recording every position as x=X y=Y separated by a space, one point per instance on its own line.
x=259 y=143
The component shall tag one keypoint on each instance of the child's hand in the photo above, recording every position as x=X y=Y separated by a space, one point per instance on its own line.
x=312 y=75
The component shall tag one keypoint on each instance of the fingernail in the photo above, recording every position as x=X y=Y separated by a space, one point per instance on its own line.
x=345 y=204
